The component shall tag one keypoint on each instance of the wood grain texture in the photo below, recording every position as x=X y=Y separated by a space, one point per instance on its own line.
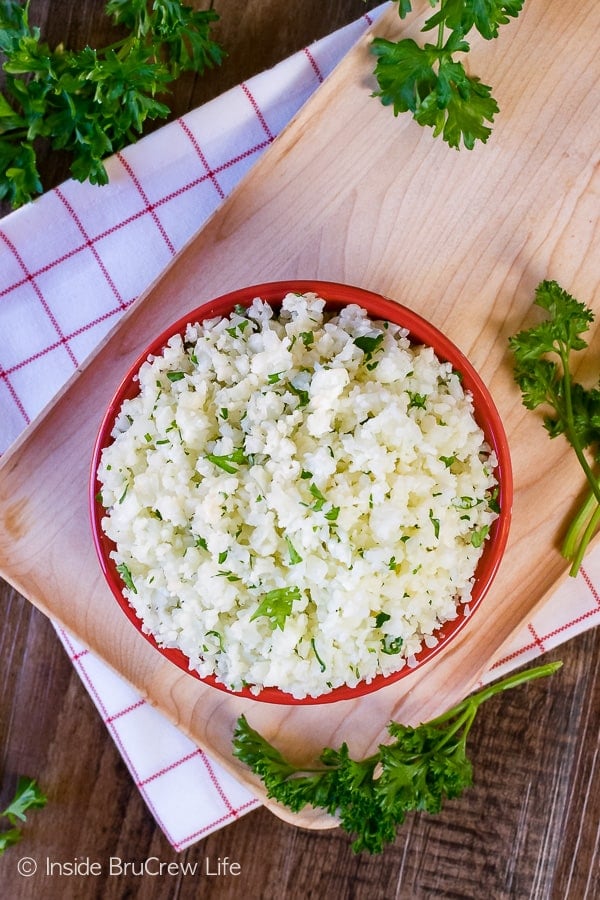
x=503 y=838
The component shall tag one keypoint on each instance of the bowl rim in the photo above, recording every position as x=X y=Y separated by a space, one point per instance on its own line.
x=420 y=331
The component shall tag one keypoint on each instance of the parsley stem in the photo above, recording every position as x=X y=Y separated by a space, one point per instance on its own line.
x=464 y=712
x=570 y=427
x=569 y=551
x=496 y=687
x=590 y=530
x=441 y=30
x=578 y=526
x=463 y=722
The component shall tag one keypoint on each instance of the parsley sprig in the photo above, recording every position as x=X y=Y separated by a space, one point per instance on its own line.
x=91 y=102
x=27 y=796
x=542 y=370
x=418 y=771
x=431 y=82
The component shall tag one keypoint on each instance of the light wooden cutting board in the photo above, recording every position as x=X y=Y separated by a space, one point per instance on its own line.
x=349 y=193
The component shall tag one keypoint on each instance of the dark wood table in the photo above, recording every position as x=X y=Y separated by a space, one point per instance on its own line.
x=528 y=828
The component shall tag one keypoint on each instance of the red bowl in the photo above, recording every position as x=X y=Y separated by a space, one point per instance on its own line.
x=420 y=332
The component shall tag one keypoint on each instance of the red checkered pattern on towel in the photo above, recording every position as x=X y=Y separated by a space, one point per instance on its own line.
x=63 y=284
x=188 y=794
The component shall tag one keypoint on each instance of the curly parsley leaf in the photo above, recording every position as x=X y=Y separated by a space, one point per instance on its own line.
x=431 y=83
x=459 y=107
x=27 y=796
x=91 y=102
x=421 y=768
x=485 y=16
x=404 y=7
x=542 y=370
x=179 y=34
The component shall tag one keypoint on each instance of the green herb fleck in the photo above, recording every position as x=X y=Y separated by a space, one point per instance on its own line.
x=295 y=557
x=228 y=462
x=322 y=665
x=219 y=637
x=391 y=645
x=368 y=343
x=302 y=395
x=479 y=535
x=493 y=500
x=125 y=574
x=229 y=575
x=319 y=498
x=27 y=796
x=448 y=460
x=417 y=401
x=276 y=605
x=465 y=502
x=238 y=328
x=332 y=514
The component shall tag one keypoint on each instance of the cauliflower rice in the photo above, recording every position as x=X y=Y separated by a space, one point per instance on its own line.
x=297 y=499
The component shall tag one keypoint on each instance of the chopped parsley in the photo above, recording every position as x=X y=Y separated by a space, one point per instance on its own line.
x=322 y=665
x=391 y=645
x=295 y=557
x=479 y=535
x=276 y=605
x=124 y=572
x=230 y=461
